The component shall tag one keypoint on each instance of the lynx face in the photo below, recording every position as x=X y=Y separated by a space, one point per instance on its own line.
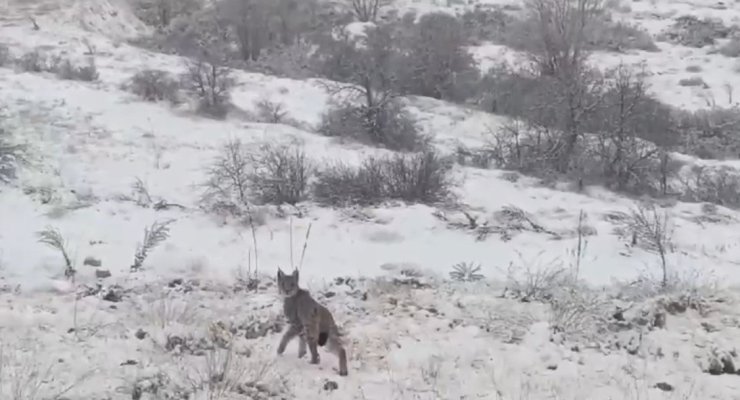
x=287 y=284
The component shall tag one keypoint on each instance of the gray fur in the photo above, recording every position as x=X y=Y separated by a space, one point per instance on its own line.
x=310 y=321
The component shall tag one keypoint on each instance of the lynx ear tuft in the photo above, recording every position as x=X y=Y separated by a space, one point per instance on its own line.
x=295 y=274
x=280 y=274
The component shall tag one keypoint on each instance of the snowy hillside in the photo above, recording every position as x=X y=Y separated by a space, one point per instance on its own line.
x=571 y=302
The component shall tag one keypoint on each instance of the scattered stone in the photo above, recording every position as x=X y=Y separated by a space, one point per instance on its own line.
x=709 y=327
x=130 y=362
x=92 y=262
x=329 y=294
x=102 y=273
x=728 y=365
x=552 y=367
x=659 y=320
x=666 y=387
x=175 y=282
x=330 y=386
x=715 y=367
x=114 y=295
x=141 y=334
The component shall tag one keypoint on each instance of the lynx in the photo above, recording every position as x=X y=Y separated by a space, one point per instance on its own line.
x=309 y=320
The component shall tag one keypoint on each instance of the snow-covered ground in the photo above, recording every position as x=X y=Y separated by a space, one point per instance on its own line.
x=411 y=333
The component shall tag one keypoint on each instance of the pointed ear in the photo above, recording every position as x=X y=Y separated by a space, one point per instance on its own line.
x=280 y=275
x=295 y=274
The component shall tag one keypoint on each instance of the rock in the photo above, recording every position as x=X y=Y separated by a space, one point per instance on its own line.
x=330 y=386
x=659 y=320
x=715 y=367
x=728 y=365
x=92 y=262
x=114 y=295
x=664 y=386
x=141 y=334
x=709 y=327
x=102 y=273
x=129 y=362
x=175 y=282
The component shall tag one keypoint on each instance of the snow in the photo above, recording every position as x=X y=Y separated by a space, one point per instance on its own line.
x=444 y=340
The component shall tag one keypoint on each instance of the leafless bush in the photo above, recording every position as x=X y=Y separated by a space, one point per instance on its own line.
x=413 y=178
x=53 y=238
x=653 y=232
x=718 y=185
x=731 y=48
x=533 y=281
x=10 y=155
x=154 y=235
x=387 y=124
x=710 y=134
x=271 y=112
x=367 y=10
x=211 y=84
x=435 y=61
x=224 y=372
x=5 y=56
x=64 y=69
x=154 y=85
x=692 y=81
x=579 y=314
x=691 y=31
x=228 y=177
x=24 y=376
x=279 y=174
x=160 y=13
x=34 y=61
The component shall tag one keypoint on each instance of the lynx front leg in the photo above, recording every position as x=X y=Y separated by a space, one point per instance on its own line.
x=292 y=332
x=301 y=345
x=335 y=346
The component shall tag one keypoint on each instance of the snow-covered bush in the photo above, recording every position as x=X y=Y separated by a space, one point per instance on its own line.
x=413 y=178
x=154 y=85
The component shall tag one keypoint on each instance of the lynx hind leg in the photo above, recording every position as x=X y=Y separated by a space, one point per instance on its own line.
x=311 y=330
x=335 y=346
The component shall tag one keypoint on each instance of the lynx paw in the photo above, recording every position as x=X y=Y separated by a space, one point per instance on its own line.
x=315 y=360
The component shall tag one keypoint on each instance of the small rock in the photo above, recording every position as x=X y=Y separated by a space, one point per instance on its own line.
x=92 y=262
x=102 y=273
x=709 y=327
x=664 y=386
x=715 y=367
x=130 y=362
x=175 y=282
x=659 y=320
x=330 y=386
x=329 y=294
x=113 y=295
x=552 y=367
x=141 y=334
x=728 y=365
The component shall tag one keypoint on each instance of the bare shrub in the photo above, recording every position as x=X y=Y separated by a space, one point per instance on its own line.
x=271 y=112
x=731 y=48
x=413 y=178
x=387 y=125
x=10 y=155
x=716 y=185
x=653 y=232
x=692 y=81
x=154 y=235
x=211 y=84
x=34 y=61
x=5 y=56
x=579 y=314
x=279 y=174
x=228 y=177
x=65 y=69
x=367 y=10
x=535 y=281
x=161 y=13
x=53 y=238
x=619 y=37
x=691 y=31
x=489 y=24
x=249 y=21
x=154 y=85
x=435 y=60
x=710 y=134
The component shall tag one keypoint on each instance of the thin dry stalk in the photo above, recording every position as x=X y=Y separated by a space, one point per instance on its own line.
x=305 y=245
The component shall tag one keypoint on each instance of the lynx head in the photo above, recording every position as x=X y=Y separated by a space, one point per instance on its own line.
x=287 y=284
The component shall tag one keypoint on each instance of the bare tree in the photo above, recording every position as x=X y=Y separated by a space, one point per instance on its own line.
x=249 y=21
x=653 y=232
x=160 y=13
x=559 y=54
x=367 y=10
x=211 y=84
x=437 y=63
x=369 y=76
